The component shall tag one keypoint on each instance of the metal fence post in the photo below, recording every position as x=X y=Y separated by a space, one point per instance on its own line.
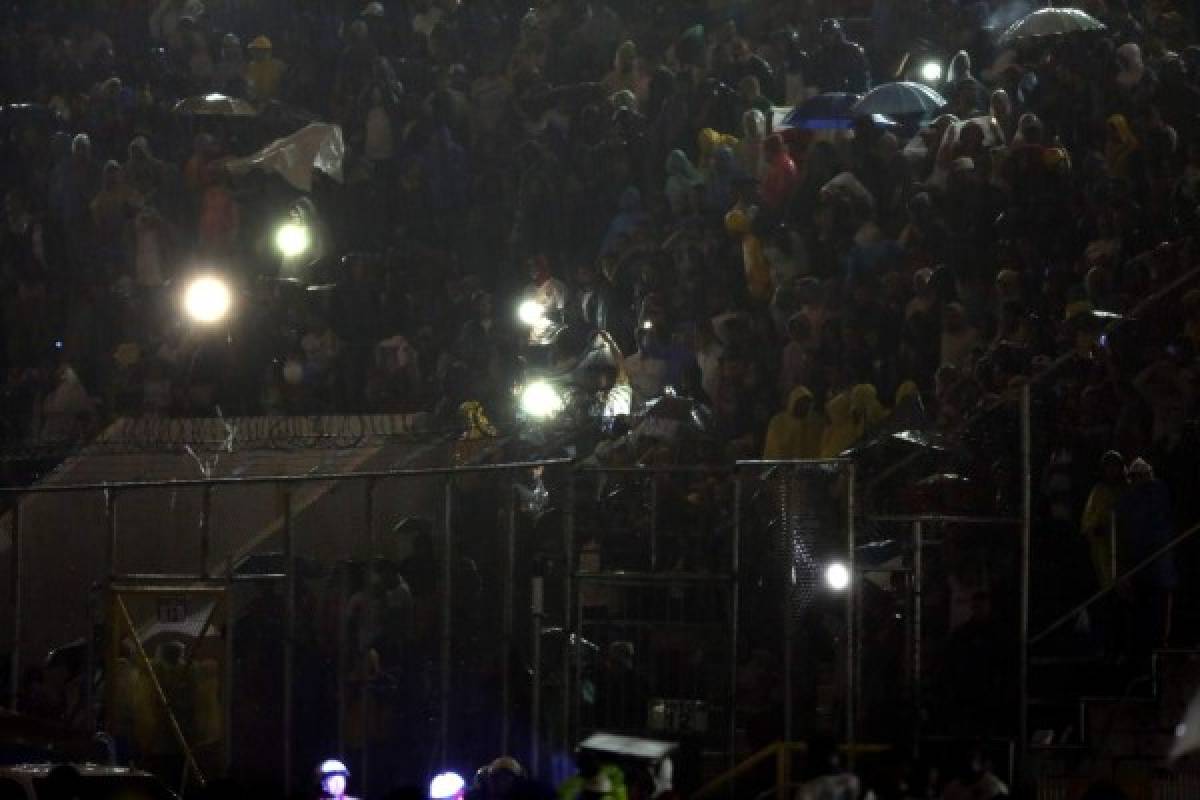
x=447 y=623
x=918 y=577
x=205 y=528
x=369 y=517
x=734 y=610
x=289 y=638
x=227 y=696
x=851 y=628
x=789 y=583
x=537 y=604
x=1026 y=537
x=568 y=688
x=17 y=596
x=653 y=521
x=110 y=522
x=510 y=557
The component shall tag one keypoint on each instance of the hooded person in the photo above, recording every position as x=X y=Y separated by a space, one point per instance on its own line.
x=796 y=431
x=749 y=150
x=682 y=180
x=966 y=94
x=708 y=142
x=718 y=188
x=1132 y=69
x=866 y=412
x=1120 y=145
x=758 y=272
x=264 y=75
x=143 y=171
x=1097 y=515
x=781 y=175
x=625 y=74
x=229 y=73
x=841 y=431
x=627 y=220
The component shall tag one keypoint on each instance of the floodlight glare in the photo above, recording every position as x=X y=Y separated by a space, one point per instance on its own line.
x=931 y=72
x=207 y=299
x=447 y=786
x=292 y=239
x=531 y=313
x=540 y=399
x=837 y=577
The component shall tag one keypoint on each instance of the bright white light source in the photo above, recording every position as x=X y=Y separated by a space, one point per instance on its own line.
x=447 y=786
x=540 y=399
x=647 y=324
x=837 y=577
x=292 y=239
x=207 y=299
x=532 y=313
x=931 y=72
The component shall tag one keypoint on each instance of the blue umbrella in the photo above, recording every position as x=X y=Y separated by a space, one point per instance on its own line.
x=829 y=111
x=903 y=98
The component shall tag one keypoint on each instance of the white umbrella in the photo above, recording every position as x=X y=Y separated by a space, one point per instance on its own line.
x=899 y=99
x=1050 y=22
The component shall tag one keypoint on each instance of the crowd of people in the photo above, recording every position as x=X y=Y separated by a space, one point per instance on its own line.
x=625 y=164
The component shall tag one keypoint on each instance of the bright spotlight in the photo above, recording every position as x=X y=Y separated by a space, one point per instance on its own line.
x=531 y=313
x=292 y=239
x=837 y=577
x=207 y=299
x=447 y=786
x=540 y=399
x=931 y=72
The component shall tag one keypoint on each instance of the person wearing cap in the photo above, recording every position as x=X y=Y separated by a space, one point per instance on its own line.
x=505 y=779
x=265 y=72
x=332 y=780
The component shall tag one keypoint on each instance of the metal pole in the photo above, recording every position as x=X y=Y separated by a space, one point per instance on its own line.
x=510 y=557
x=15 y=570
x=537 y=603
x=569 y=690
x=918 y=578
x=89 y=659
x=289 y=640
x=227 y=696
x=1112 y=548
x=653 y=521
x=789 y=583
x=205 y=528
x=447 y=593
x=851 y=628
x=343 y=602
x=369 y=517
x=110 y=521
x=734 y=610
x=1026 y=536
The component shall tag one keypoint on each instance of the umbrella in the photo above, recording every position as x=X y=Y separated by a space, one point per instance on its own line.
x=215 y=105
x=899 y=99
x=829 y=111
x=823 y=111
x=1050 y=22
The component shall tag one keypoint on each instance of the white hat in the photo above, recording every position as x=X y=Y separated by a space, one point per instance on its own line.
x=373 y=10
x=1140 y=466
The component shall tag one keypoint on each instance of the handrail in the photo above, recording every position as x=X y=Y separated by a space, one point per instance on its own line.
x=1050 y=369
x=745 y=766
x=1147 y=561
x=782 y=752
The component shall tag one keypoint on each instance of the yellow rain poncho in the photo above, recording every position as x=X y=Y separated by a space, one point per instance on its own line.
x=796 y=431
x=840 y=432
x=754 y=262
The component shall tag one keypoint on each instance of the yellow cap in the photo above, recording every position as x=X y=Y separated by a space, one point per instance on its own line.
x=260 y=43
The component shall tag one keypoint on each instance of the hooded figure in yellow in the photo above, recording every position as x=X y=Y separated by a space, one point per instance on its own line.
x=1119 y=146
x=758 y=270
x=866 y=412
x=796 y=431
x=841 y=431
x=708 y=141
